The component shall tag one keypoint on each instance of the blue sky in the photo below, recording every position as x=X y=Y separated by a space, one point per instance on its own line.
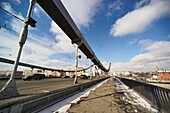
x=133 y=35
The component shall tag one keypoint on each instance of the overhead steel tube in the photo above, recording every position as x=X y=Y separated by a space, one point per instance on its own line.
x=56 y=10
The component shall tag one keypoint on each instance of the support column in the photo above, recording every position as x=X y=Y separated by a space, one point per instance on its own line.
x=91 y=73
x=32 y=70
x=10 y=88
x=96 y=72
x=76 y=65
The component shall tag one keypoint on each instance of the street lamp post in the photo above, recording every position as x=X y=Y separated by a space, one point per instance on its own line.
x=96 y=72
x=76 y=65
x=10 y=89
x=91 y=72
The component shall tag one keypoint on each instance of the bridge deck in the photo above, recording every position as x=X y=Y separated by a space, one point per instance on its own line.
x=111 y=97
x=34 y=87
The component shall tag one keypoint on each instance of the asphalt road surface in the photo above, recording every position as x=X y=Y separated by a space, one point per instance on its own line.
x=27 y=89
x=38 y=86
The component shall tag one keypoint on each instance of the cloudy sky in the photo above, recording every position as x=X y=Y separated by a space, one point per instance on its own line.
x=133 y=35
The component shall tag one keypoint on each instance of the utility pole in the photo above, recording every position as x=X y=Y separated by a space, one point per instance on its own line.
x=91 y=72
x=10 y=88
x=96 y=72
x=76 y=65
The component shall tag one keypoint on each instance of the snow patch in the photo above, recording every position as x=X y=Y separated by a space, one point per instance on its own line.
x=136 y=99
x=64 y=105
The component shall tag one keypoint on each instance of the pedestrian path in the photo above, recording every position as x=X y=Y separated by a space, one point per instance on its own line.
x=64 y=105
x=111 y=97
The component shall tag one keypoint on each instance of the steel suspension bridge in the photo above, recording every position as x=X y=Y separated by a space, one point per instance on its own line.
x=158 y=97
x=56 y=10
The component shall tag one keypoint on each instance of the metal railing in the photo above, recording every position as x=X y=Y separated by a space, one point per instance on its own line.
x=157 y=96
x=8 y=61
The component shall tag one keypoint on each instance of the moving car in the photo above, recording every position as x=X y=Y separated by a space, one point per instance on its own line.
x=72 y=76
x=84 y=77
x=65 y=76
x=34 y=76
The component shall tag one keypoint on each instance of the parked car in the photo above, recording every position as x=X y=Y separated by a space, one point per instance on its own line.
x=34 y=76
x=65 y=76
x=72 y=76
x=84 y=77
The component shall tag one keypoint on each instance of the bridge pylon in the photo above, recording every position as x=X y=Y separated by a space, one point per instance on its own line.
x=10 y=88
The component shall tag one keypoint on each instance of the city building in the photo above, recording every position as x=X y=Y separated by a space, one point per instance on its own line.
x=8 y=73
x=73 y=69
x=164 y=76
x=47 y=73
x=120 y=73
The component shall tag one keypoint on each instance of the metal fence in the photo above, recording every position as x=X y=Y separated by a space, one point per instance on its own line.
x=157 y=96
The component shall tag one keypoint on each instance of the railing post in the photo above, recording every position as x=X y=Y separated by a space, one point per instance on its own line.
x=10 y=88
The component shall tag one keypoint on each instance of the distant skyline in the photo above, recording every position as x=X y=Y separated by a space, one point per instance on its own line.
x=132 y=35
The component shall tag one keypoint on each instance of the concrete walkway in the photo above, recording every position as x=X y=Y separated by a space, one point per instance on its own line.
x=110 y=98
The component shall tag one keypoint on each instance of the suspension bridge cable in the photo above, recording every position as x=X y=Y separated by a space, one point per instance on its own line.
x=11 y=14
x=20 y=20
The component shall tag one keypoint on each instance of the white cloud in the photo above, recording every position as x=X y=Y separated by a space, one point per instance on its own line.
x=109 y=14
x=84 y=62
x=35 y=51
x=38 y=51
x=14 y=23
x=139 y=19
x=156 y=54
x=64 y=43
x=114 y=6
x=8 y=44
x=132 y=42
x=81 y=11
x=83 y=17
x=142 y=3
x=37 y=10
x=145 y=43
x=18 y=1
x=57 y=64
x=8 y=48
x=168 y=36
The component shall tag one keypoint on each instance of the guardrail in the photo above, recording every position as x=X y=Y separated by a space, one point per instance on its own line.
x=38 y=102
x=8 y=61
x=157 y=96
